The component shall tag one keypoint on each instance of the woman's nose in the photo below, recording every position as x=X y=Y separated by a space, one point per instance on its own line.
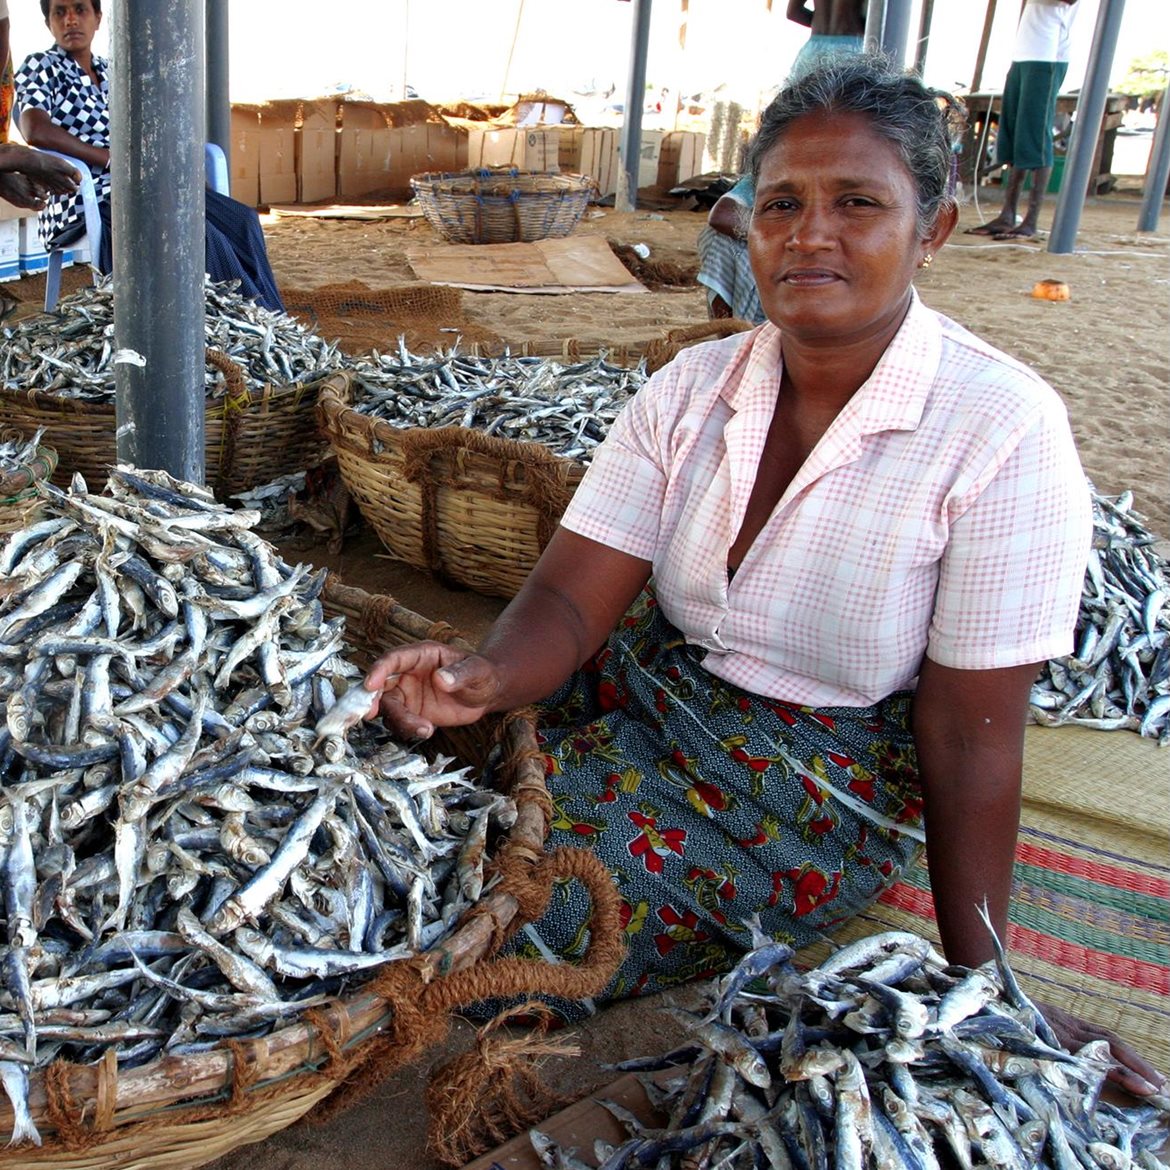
x=812 y=229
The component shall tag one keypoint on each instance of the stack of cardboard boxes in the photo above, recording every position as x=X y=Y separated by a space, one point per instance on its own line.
x=324 y=149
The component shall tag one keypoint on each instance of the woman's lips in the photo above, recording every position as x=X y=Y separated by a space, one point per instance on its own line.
x=809 y=276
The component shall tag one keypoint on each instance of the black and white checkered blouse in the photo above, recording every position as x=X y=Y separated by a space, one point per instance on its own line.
x=52 y=81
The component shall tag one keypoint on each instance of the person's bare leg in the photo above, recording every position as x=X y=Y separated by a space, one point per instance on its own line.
x=1026 y=228
x=1007 y=216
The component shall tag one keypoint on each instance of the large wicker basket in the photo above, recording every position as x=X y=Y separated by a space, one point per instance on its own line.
x=501 y=205
x=184 y=1111
x=474 y=509
x=252 y=436
x=20 y=504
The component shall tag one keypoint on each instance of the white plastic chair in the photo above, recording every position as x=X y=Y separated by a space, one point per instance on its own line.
x=87 y=248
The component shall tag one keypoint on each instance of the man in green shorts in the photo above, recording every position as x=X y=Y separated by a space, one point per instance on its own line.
x=1024 y=139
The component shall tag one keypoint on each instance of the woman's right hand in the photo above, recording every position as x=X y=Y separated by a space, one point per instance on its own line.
x=430 y=684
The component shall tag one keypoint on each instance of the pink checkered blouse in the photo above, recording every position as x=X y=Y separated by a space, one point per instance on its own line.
x=944 y=512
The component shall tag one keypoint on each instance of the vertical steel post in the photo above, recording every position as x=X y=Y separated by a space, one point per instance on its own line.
x=875 y=25
x=156 y=162
x=219 y=102
x=631 y=139
x=1157 y=169
x=1082 y=146
x=924 y=23
x=896 y=29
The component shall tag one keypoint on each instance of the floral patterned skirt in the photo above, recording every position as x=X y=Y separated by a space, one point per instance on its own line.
x=711 y=805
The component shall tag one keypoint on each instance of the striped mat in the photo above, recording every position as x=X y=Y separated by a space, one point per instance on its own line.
x=1090 y=914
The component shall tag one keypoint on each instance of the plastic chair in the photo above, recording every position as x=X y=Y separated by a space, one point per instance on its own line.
x=87 y=248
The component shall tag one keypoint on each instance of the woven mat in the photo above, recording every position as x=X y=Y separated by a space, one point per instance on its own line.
x=1090 y=915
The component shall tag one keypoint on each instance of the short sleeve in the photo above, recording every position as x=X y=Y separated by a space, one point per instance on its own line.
x=619 y=502
x=1013 y=571
x=34 y=84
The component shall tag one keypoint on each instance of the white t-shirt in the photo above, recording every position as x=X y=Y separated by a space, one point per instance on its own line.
x=1044 y=31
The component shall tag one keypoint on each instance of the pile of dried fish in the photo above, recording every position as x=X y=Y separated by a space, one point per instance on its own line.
x=1119 y=675
x=70 y=351
x=567 y=408
x=17 y=452
x=882 y=1056
x=199 y=835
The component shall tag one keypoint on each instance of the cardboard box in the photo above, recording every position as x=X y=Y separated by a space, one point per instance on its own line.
x=245 y=154
x=277 y=154
x=597 y=157
x=569 y=148
x=11 y=211
x=427 y=147
x=10 y=249
x=648 y=157
x=363 y=150
x=681 y=157
x=316 y=152
x=527 y=150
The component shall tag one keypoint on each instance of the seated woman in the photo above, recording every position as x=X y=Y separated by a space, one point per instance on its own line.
x=724 y=267
x=866 y=529
x=63 y=94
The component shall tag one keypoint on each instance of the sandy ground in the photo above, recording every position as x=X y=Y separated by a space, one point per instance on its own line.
x=1105 y=350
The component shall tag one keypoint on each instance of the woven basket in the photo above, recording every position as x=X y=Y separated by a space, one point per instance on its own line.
x=473 y=509
x=501 y=206
x=19 y=502
x=252 y=436
x=184 y=1111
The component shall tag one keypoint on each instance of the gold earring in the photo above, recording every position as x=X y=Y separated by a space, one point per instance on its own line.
x=927 y=259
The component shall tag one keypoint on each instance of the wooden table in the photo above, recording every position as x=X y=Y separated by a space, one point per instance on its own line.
x=983 y=108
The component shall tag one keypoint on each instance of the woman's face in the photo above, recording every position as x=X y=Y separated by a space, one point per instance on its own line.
x=73 y=24
x=834 y=239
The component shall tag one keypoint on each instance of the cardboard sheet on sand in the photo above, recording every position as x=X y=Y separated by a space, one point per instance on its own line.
x=345 y=211
x=572 y=265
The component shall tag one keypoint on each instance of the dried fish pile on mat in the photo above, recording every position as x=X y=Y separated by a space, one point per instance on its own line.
x=201 y=837
x=1119 y=675
x=881 y=1056
x=70 y=352
x=567 y=408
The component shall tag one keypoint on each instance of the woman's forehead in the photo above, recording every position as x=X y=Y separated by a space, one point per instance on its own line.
x=830 y=140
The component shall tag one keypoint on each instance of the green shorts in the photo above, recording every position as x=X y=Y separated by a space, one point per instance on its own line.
x=1024 y=138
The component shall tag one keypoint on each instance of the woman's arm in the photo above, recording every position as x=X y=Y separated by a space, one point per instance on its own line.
x=563 y=613
x=41 y=131
x=969 y=733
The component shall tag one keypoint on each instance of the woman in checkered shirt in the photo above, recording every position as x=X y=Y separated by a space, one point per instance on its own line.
x=63 y=94
x=791 y=618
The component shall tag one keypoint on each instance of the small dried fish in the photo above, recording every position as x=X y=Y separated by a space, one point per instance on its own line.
x=958 y=1100
x=198 y=838
x=1118 y=677
x=567 y=408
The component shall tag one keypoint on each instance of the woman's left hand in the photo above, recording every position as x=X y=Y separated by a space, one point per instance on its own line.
x=1132 y=1073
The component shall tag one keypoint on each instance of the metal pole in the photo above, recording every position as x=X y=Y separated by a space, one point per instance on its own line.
x=1090 y=112
x=924 y=22
x=1157 y=169
x=219 y=102
x=984 y=40
x=875 y=23
x=896 y=29
x=156 y=162
x=631 y=140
